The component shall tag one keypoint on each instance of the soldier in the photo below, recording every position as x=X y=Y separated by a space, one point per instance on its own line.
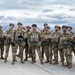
x=8 y=39
x=71 y=34
x=44 y=27
x=45 y=24
x=19 y=38
x=46 y=44
x=27 y=51
x=73 y=42
x=1 y=42
x=70 y=30
x=24 y=30
x=66 y=48
x=34 y=39
x=55 y=41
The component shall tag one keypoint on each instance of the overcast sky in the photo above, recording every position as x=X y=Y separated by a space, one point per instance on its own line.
x=38 y=11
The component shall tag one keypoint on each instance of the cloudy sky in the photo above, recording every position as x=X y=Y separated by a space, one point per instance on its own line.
x=38 y=11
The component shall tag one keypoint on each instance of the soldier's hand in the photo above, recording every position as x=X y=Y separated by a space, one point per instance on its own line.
x=46 y=37
x=52 y=38
x=10 y=36
x=29 y=45
x=72 y=38
x=5 y=35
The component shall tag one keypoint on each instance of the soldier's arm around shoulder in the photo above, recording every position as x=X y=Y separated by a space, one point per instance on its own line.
x=6 y=33
x=14 y=33
x=25 y=35
x=29 y=39
x=39 y=34
x=2 y=34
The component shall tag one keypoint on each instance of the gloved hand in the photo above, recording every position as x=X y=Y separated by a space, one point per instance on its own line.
x=20 y=36
x=4 y=38
x=13 y=44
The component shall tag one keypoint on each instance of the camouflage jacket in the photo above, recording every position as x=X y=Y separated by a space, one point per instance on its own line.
x=1 y=35
x=9 y=34
x=35 y=35
x=65 y=40
x=56 y=36
x=46 y=34
x=20 y=33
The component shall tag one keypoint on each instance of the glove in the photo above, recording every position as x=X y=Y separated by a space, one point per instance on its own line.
x=4 y=38
x=13 y=44
x=20 y=36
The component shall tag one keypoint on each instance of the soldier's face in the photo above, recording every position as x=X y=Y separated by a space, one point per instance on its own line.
x=34 y=28
x=19 y=26
x=11 y=27
x=69 y=29
x=44 y=27
x=64 y=29
x=56 y=29
x=47 y=29
x=28 y=28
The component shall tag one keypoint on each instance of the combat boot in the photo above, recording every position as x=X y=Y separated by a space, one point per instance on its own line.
x=56 y=62
x=18 y=55
x=47 y=60
x=26 y=59
x=22 y=61
x=62 y=63
x=41 y=61
x=33 y=61
x=50 y=61
x=29 y=57
x=2 y=57
x=5 y=60
x=53 y=59
x=13 y=61
x=70 y=66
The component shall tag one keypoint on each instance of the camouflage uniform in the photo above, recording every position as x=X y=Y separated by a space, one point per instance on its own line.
x=73 y=41
x=27 y=51
x=2 y=43
x=66 y=49
x=71 y=34
x=35 y=44
x=8 y=41
x=19 y=39
x=55 y=43
x=41 y=34
x=46 y=44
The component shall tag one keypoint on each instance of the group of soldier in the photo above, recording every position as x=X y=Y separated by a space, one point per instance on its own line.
x=47 y=42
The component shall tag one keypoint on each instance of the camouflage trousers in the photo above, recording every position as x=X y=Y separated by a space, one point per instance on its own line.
x=28 y=52
x=2 y=50
x=48 y=52
x=33 y=51
x=67 y=53
x=14 y=51
x=7 y=50
x=21 y=49
x=42 y=53
x=55 y=52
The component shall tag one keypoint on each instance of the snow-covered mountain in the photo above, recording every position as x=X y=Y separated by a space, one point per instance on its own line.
x=39 y=26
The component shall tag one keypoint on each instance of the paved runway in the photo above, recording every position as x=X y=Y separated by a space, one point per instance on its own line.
x=34 y=69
